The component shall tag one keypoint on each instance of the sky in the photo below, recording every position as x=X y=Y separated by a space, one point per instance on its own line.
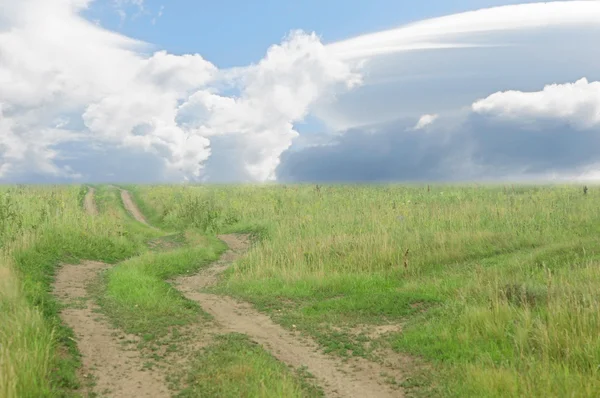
x=246 y=29
x=352 y=91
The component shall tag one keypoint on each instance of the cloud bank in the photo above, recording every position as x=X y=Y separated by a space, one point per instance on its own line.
x=66 y=81
x=506 y=92
x=553 y=133
x=443 y=64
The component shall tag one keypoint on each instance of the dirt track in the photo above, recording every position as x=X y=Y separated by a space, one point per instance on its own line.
x=89 y=204
x=110 y=360
x=117 y=368
x=359 y=378
x=132 y=208
x=112 y=366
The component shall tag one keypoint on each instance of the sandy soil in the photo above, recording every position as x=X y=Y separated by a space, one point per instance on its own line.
x=112 y=366
x=110 y=359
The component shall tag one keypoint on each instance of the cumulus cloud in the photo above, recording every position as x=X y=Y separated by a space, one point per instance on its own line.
x=539 y=137
x=66 y=80
x=577 y=102
x=76 y=99
x=276 y=92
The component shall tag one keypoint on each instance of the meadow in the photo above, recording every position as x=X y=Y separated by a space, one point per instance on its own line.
x=496 y=287
x=487 y=291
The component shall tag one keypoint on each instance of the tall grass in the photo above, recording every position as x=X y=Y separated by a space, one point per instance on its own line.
x=337 y=228
x=495 y=285
x=41 y=227
x=26 y=341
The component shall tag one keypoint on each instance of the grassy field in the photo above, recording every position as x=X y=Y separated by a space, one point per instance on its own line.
x=44 y=227
x=494 y=288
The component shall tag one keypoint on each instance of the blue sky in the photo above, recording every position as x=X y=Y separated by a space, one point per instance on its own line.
x=237 y=32
x=379 y=90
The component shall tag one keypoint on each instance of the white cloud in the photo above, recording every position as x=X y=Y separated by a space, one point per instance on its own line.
x=577 y=102
x=443 y=64
x=425 y=121
x=57 y=69
x=21 y=149
x=277 y=92
x=451 y=31
x=66 y=82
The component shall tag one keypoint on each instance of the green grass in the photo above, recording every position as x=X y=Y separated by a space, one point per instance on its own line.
x=236 y=367
x=137 y=297
x=47 y=226
x=42 y=227
x=495 y=286
x=26 y=342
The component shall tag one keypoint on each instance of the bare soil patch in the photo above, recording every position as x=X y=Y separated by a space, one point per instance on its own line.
x=353 y=378
x=372 y=332
x=111 y=363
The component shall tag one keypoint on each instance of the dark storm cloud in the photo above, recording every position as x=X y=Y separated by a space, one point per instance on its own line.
x=480 y=147
x=392 y=152
x=441 y=80
x=533 y=147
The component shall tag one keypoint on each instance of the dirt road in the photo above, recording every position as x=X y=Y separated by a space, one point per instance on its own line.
x=112 y=366
x=359 y=378
x=132 y=208
x=116 y=367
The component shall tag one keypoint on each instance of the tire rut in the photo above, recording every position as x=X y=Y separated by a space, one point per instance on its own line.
x=111 y=363
x=354 y=378
x=89 y=204
x=131 y=207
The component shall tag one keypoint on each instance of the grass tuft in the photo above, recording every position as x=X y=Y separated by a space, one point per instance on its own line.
x=236 y=367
